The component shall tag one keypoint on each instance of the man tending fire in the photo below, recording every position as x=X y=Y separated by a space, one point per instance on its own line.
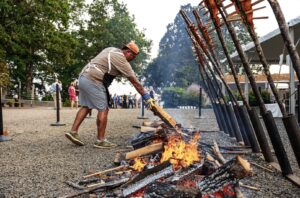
x=94 y=80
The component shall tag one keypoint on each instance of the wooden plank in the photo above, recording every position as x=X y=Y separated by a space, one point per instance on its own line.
x=144 y=151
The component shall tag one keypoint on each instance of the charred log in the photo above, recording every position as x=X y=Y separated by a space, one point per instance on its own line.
x=147 y=177
x=229 y=173
x=164 y=190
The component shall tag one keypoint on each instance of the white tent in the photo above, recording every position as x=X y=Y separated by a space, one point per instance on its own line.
x=272 y=44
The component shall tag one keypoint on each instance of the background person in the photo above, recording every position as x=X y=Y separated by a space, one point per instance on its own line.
x=94 y=81
x=72 y=95
x=130 y=100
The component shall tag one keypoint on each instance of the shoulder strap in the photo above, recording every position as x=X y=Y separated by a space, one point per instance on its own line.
x=108 y=58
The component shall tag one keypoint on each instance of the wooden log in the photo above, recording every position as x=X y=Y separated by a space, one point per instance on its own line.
x=238 y=192
x=149 y=129
x=153 y=148
x=152 y=123
x=249 y=187
x=92 y=189
x=231 y=172
x=210 y=165
x=147 y=177
x=217 y=153
x=118 y=158
x=164 y=190
x=105 y=171
x=162 y=114
x=262 y=167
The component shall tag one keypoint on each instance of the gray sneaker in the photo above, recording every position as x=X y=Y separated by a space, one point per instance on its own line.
x=104 y=144
x=74 y=137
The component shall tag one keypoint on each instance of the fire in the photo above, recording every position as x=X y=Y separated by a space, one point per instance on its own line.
x=180 y=153
x=139 y=164
x=226 y=191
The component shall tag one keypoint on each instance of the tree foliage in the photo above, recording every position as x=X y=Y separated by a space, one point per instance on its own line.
x=41 y=40
x=175 y=64
x=35 y=37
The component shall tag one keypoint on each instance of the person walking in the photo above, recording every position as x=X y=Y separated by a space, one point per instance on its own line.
x=94 y=81
x=72 y=94
x=53 y=92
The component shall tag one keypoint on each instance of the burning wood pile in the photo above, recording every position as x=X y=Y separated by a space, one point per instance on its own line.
x=167 y=162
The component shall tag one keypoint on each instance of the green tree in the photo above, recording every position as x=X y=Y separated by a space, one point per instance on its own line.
x=4 y=75
x=34 y=37
x=108 y=24
x=175 y=64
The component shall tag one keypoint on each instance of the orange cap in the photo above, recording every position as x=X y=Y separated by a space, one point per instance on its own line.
x=133 y=47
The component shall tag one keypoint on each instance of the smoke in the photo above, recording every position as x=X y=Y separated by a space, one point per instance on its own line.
x=193 y=89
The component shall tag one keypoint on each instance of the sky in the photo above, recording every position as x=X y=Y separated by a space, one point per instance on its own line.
x=155 y=15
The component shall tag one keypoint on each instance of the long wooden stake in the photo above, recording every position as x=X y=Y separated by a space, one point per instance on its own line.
x=104 y=171
x=267 y=115
x=250 y=131
x=284 y=29
x=213 y=99
x=261 y=137
x=261 y=56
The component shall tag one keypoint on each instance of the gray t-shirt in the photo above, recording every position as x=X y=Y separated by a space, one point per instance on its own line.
x=119 y=65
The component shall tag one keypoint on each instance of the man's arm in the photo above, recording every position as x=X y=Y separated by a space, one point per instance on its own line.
x=137 y=85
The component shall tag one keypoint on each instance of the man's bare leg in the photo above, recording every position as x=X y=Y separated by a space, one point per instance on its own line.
x=81 y=114
x=101 y=124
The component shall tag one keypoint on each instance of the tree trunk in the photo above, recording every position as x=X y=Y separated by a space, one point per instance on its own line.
x=29 y=79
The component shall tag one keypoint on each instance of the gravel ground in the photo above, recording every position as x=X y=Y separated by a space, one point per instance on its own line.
x=39 y=159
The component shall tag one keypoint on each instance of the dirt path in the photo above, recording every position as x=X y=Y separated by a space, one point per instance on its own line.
x=39 y=159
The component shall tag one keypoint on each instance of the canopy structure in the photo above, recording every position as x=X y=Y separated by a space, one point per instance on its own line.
x=272 y=44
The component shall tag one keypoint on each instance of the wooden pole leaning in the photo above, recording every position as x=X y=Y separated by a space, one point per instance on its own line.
x=289 y=121
x=284 y=29
x=205 y=50
x=258 y=128
x=247 y=130
x=213 y=99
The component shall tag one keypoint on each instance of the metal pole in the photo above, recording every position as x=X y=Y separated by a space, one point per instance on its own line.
x=1 y=115
x=142 y=111
x=57 y=108
x=291 y=85
x=200 y=102
x=3 y=137
x=57 y=103
x=298 y=87
x=19 y=92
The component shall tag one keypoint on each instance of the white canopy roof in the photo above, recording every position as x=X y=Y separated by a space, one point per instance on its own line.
x=272 y=45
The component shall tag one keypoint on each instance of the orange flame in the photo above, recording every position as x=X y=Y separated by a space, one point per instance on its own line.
x=180 y=153
x=139 y=164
